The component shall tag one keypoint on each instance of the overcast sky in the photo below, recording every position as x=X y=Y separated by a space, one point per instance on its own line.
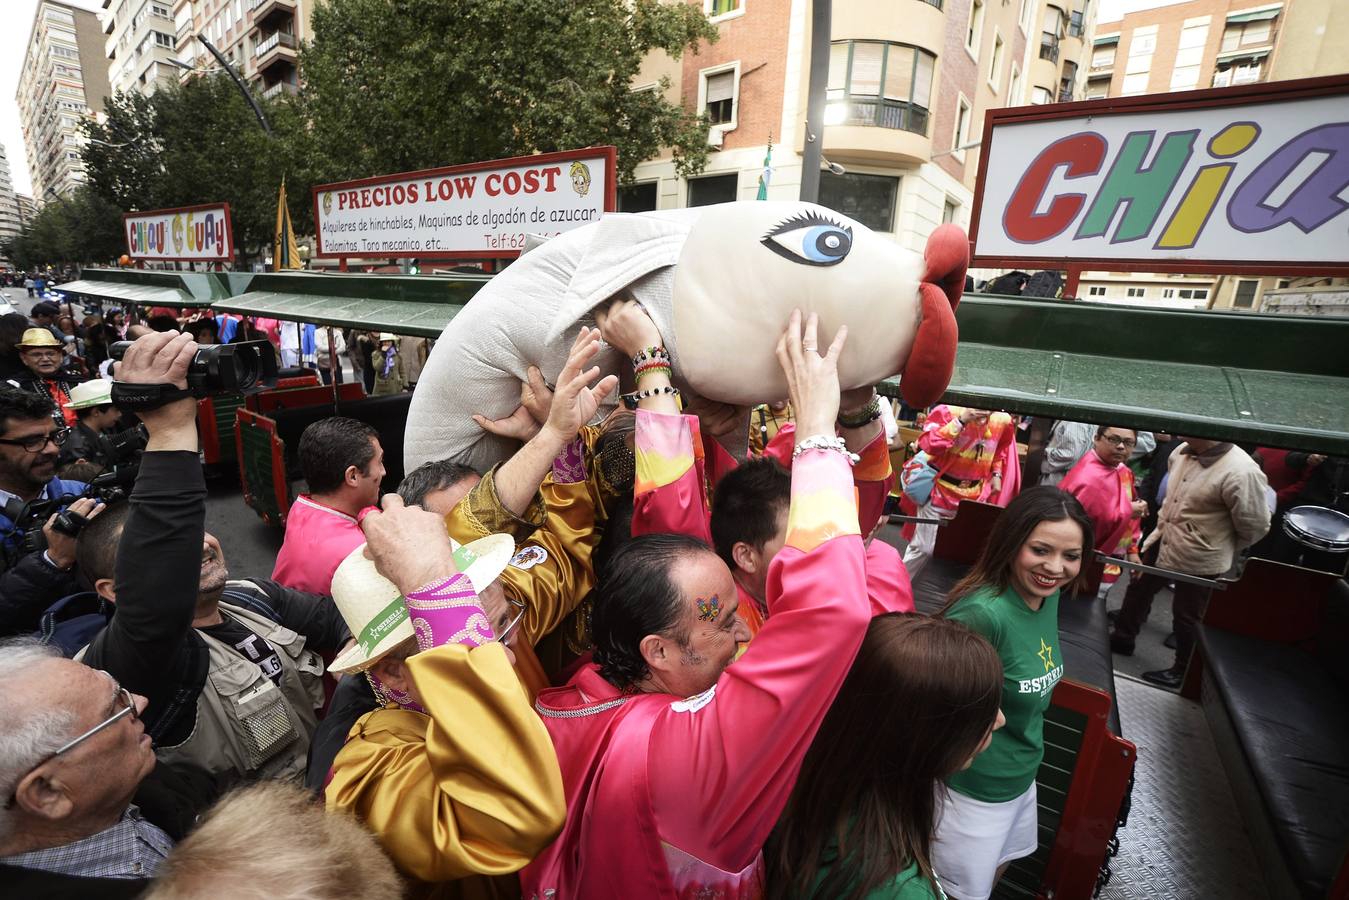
x=14 y=41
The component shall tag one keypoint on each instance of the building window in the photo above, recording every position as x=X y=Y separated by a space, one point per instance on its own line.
x=975 y=28
x=1075 y=27
x=1142 y=43
x=950 y=212
x=1051 y=33
x=1168 y=293
x=714 y=8
x=713 y=189
x=995 y=64
x=1193 y=293
x=1283 y=283
x=1096 y=290
x=719 y=92
x=1137 y=292
x=1238 y=71
x=1040 y=96
x=962 y=133
x=883 y=84
x=1024 y=16
x=1189 y=55
x=1247 y=34
x=1068 y=83
x=1014 y=87
x=1103 y=56
x=1244 y=298
x=637 y=197
x=870 y=199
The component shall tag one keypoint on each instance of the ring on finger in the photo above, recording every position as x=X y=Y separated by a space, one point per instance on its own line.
x=809 y=348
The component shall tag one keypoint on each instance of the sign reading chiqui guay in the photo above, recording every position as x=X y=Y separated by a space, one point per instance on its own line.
x=182 y=234
x=481 y=210
x=1242 y=179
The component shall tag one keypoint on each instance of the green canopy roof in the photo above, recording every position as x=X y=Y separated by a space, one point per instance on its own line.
x=149 y=288
x=1274 y=380
x=418 y=305
x=1254 y=15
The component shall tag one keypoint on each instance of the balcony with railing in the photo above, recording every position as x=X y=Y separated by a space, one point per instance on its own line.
x=279 y=47
x=276 y=90
x=272 y=15
x=1049 y=46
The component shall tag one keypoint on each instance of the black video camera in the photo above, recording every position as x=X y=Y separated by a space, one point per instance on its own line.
x=29 y=518
x=216 y=369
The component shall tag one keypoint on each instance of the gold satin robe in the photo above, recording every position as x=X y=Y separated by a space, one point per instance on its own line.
x=472 y=789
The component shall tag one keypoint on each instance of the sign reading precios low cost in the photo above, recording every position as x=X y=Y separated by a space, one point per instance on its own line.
x=480 y=210
x=185 y=234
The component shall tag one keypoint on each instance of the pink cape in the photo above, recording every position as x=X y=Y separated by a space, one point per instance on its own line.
x=1107 y=494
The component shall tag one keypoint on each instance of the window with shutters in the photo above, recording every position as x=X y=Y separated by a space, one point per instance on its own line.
x=720 y=87
x=1245 y=295
x=877 y=83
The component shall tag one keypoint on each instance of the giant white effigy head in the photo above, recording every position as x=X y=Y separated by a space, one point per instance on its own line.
x=720 y=283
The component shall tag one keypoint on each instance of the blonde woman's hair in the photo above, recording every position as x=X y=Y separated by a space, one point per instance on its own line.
x=274 y=841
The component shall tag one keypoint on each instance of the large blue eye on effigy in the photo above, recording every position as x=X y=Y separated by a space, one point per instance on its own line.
x=811 y=239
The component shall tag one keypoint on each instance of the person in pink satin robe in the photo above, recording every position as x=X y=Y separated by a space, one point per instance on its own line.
x=1104 y=484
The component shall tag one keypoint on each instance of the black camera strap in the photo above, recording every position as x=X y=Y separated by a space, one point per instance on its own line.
x=141 y=397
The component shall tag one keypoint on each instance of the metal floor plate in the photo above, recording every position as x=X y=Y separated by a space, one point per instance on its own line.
x=1185 y=839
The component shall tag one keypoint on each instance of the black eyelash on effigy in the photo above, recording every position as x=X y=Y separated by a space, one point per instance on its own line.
x=805 y=220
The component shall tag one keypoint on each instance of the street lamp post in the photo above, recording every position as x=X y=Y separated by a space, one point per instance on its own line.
x=235 y=76
x=821 y=24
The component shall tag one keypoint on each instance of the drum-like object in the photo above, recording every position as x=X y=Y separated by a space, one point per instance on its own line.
x=1318 y=528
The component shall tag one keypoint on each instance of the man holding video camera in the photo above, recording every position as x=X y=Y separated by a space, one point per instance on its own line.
x=38 y=521
x=230 y=669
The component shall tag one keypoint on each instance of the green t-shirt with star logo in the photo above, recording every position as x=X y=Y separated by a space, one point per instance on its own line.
x=1027 y=641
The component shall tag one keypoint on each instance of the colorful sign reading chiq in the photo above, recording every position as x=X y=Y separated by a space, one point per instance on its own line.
x=476 y=211
x=1247 y=179
x=183 y=234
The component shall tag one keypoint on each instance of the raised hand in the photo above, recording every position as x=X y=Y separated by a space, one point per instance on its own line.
x=574 y=401
x=626 y=326
x=409 y=545
x=812 y=377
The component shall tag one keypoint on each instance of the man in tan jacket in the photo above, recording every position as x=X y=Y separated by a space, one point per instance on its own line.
x=1215 y=507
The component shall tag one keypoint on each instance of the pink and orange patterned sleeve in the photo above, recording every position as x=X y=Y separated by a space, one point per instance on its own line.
x=669 y=496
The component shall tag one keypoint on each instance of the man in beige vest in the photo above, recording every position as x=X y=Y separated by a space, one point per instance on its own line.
x=1215 y=507
x=231 y=669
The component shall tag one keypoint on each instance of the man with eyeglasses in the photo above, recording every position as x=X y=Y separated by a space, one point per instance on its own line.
x=45 y=356
x=30 y=441
x=73 y=751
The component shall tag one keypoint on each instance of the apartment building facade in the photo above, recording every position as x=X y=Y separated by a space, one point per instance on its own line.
x=260 y=38
x=141 y=45
x=64 y=80
x=909 y=82
x=10 y=222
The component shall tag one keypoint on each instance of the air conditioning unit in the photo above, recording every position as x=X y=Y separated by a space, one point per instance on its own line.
x=715 y=137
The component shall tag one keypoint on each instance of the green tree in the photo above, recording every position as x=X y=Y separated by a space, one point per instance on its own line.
x=122 y=156
x=396 y=85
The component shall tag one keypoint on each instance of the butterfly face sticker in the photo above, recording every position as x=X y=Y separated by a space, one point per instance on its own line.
x=811 y=239
x=709 y=608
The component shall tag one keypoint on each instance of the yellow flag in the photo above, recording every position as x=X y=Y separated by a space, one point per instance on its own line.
x=286 y=253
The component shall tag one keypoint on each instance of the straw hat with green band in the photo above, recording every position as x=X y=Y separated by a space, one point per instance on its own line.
x=375 y=610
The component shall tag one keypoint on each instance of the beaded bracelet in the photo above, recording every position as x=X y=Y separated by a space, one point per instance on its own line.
x=865 y=415
x=631 y=400
x=650 y=353
x=648 y=368
x=826 y=442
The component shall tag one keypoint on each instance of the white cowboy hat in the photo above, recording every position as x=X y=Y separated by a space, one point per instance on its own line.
x=375 y=610
x=90 y=393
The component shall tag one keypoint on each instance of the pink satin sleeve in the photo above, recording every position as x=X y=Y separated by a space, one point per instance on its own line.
x=669 y=497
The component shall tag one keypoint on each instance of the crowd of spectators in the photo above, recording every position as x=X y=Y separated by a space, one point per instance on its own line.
x=627 y=661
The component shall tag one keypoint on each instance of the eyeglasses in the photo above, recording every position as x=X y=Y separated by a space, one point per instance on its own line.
x=128 y=709
x=519 y=616
x=1115 y=441
x=47 y=352
x=36 y=443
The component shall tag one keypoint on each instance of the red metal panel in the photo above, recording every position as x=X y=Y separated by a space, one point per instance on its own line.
x=1100 y=778
x=208 y=431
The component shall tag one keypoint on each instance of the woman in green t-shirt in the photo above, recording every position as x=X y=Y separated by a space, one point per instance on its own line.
x=920 y=701
x=1011 y=597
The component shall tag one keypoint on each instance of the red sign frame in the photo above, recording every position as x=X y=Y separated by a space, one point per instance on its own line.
x=1210 y=98
x=229 y=233
x=608 y=153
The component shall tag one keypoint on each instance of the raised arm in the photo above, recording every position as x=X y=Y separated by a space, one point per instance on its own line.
x=740 y=747
x=859 y=423
x=669 y=495
x=159 y=555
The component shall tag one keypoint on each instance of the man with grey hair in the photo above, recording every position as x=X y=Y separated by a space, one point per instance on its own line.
x=72 y=753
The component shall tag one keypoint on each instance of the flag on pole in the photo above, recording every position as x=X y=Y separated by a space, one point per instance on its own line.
x=286 y=253
x=767 y=174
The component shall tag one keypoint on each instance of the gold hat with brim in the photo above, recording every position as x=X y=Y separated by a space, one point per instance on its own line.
x=37 y=337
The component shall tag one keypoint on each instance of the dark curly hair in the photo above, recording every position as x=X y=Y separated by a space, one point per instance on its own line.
x=22 y=405
x=637 y=596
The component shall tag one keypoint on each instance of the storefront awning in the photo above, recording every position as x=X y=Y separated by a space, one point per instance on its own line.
x=1265 y=379
x=1231 y=55
x=420 y=305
